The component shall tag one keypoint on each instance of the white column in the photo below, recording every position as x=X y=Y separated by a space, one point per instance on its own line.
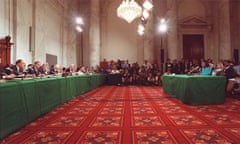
x=148 y=41
x=172 y=40
x=224 y=30
x=94 y=33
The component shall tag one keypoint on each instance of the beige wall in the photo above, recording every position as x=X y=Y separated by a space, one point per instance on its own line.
x=120 y=39
x=5 y=17
x=24 y=20
x=52 y=30
x=48 y=34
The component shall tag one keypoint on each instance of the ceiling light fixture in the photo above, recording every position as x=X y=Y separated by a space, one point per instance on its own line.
x=129 y=10
x=148 y=5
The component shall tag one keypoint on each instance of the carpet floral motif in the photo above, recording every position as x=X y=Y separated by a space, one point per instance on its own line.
x=101 y=137
x=186 y=120
x=223 y=119
x=111 y=111
x=80 y=111
x=206 y=136
x=147 y=121
x=140 y=103
x=165 y=102
x=153 y=137
x=116 y=104
x=204 y=109
x=172 y=109
x=67 y=121
x=143 y=110
x=53 y=137
x=103 y=121
x=88 y=103
x=232 y=108
x=132 y=115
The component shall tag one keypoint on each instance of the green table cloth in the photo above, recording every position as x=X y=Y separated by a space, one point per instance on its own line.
x=22 y=101
x=195 y=89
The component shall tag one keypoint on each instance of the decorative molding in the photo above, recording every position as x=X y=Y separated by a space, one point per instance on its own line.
x=194 y=22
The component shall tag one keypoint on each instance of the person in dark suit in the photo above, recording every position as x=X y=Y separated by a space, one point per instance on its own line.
x=17 y=69
x=37 y=68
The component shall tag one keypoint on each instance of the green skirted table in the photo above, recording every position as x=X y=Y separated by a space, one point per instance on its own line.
x=195 y=90
x=22 y=101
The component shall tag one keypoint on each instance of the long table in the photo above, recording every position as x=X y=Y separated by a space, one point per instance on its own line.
x=22 y=101
x=195 y=90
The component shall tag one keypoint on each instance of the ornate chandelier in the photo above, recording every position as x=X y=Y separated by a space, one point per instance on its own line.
x=129 y=10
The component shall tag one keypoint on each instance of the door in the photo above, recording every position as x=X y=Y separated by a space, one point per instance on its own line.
x=193 y=46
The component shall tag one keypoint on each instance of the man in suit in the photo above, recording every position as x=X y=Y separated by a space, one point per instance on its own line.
x=16 y=69
x=37 y=68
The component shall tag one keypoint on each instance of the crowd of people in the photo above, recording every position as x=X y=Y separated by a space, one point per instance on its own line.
x=151 y=73
x=131 y=74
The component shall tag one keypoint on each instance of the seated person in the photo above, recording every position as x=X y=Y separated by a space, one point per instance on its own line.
x=194 y=69
x=2 y=73
x=71 y=70
x=114 y=69
x=229 y=71
x=126 y=77
x=150 y=79
x=158 y=80
x=230 y=75
x=233 y=86
x=17 y=69
x=205 y=68
x=218 y=69
x=36 y=69
x=55 y=69
x=44 y=69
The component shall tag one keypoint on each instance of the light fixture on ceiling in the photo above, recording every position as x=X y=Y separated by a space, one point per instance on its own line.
x=141 y=29
x=147 y=8
x=148 y=5
x=129 y=10
x=145 y=14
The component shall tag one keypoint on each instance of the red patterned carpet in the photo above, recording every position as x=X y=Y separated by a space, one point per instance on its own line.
x=131 y=115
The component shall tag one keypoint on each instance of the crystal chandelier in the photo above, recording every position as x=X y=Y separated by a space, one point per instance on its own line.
x=129 y=10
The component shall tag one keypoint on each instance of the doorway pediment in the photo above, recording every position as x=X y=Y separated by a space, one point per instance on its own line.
x=194 y=22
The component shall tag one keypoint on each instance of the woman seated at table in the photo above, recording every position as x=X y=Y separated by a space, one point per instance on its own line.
x=205 y=68
x=218 y=69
